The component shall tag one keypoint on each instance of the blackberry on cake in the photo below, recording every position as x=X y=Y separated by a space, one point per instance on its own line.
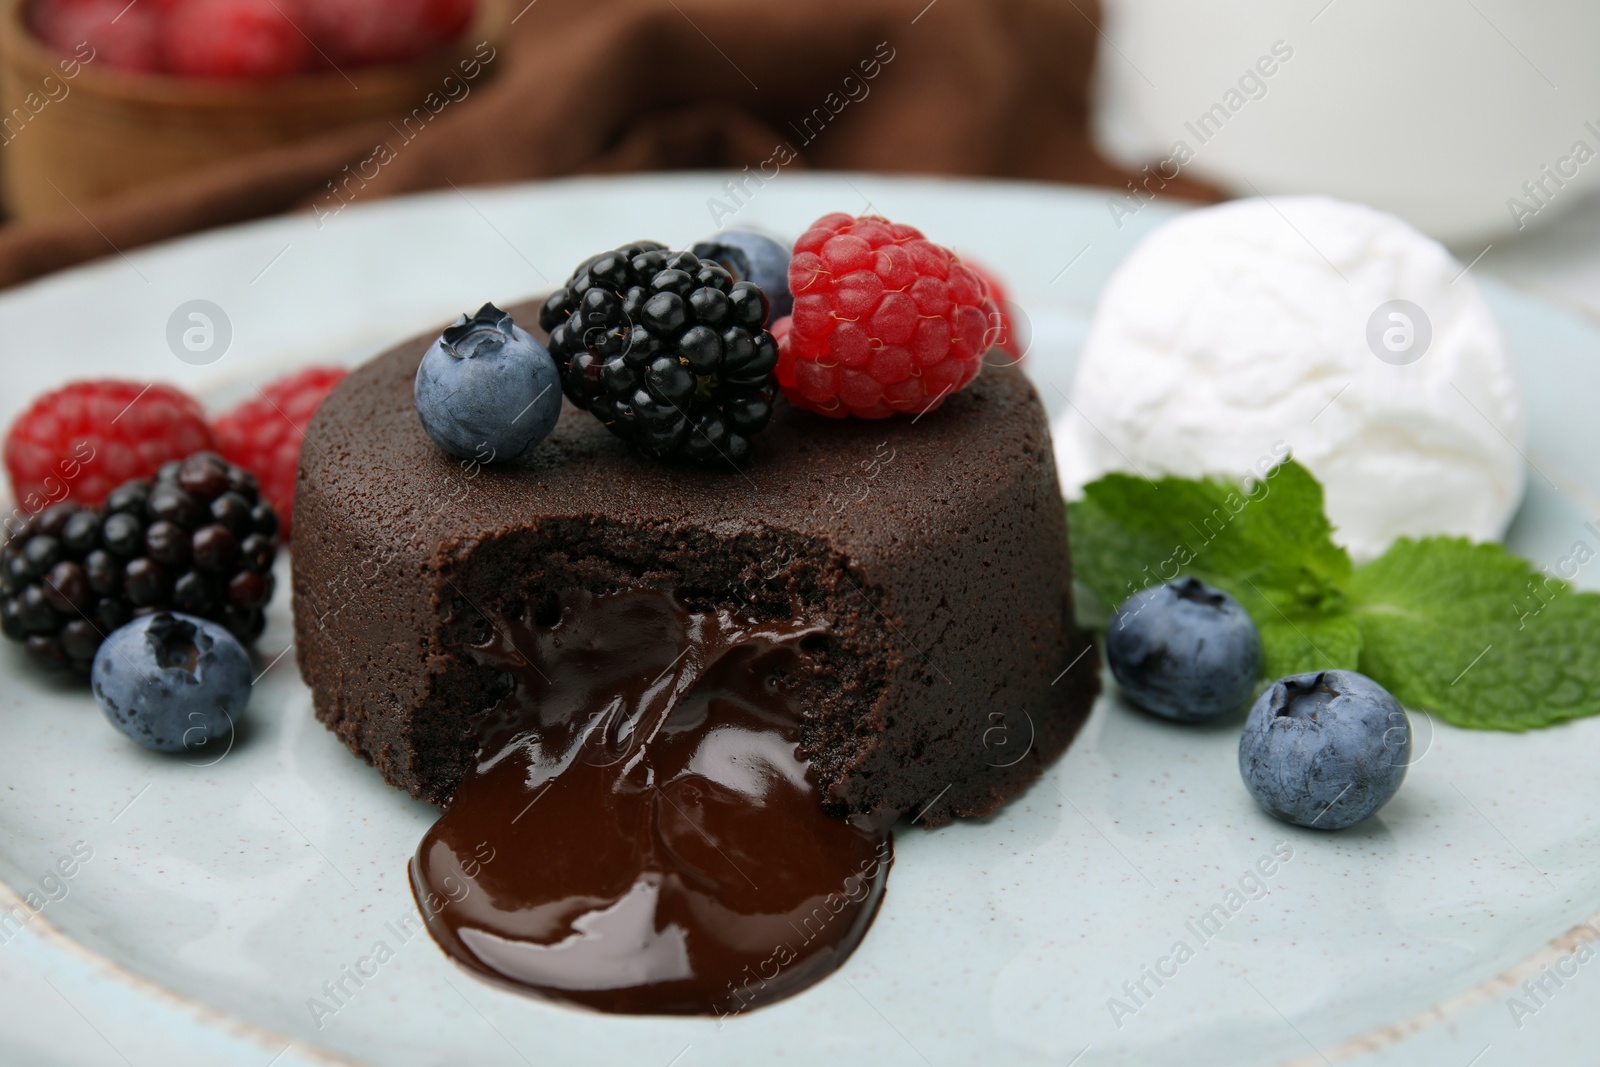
x=197 y=539
x=666 y=349
x=752 y=257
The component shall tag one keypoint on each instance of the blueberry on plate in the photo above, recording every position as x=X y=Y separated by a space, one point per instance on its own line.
x=173 y=683
x=1185 y=651
x=1325 y=749
x=753 y=257
x=486 y=390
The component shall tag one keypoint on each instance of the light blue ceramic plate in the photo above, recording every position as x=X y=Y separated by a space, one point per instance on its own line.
x=219 y=899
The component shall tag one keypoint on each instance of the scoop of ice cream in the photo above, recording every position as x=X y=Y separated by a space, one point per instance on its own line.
x=1236 y=334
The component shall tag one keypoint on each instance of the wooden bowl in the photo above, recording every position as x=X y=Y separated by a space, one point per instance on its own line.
x=73 y=131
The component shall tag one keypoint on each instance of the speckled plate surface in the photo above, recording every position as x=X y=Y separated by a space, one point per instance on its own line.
x=231 y=908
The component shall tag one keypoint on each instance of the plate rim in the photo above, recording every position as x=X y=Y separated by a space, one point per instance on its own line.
x=42 y=929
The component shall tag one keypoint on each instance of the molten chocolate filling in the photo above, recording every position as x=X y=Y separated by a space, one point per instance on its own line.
x=639 y=833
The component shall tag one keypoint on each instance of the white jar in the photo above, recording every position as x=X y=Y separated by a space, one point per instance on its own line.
x=1471 y=119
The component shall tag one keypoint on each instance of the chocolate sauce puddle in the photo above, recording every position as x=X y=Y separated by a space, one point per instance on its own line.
x=638 y=833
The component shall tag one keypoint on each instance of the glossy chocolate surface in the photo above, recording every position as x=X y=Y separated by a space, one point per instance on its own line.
x=638 y=833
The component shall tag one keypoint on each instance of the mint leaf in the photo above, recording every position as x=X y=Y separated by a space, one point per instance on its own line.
x=1470 y=632
x=1268 y=543
x=1477 y=635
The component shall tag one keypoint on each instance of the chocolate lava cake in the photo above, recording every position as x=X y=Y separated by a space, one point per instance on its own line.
x=946 y=672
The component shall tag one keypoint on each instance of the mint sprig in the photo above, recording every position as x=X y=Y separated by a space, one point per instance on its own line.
x=1478 y=635
x=1470 y=632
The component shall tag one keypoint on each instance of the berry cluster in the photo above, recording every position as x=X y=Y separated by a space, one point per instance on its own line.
x=198 y=540
x=80 y=441
x=885 y=321
x=666 y=349
x=248 y=38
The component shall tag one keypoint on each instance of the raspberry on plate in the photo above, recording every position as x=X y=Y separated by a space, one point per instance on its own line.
x=235 y=39
x=263 y=434
x=885 y=321
x=82 y=440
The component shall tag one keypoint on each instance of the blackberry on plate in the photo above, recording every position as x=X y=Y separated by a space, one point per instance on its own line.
x=666 y=349
x=198 y=539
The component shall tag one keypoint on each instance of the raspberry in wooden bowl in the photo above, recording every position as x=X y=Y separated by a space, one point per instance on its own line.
x=165 y=86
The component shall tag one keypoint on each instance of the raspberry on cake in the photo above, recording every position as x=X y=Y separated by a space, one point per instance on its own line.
x=885 y=321
x=1003 y=327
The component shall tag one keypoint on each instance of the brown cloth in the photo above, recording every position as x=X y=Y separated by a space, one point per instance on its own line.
x=982 y=88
